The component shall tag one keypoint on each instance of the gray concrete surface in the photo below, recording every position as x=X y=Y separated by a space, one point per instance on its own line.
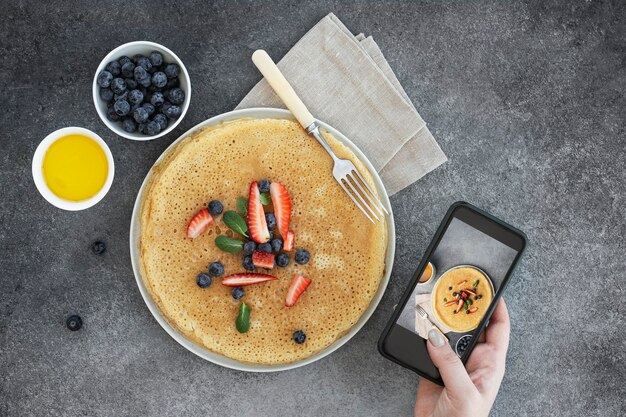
x=527 y=100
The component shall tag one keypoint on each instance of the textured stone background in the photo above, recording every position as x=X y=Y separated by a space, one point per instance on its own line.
x=527 y=100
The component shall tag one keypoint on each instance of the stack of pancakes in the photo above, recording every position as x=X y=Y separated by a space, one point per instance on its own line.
x=347 y=251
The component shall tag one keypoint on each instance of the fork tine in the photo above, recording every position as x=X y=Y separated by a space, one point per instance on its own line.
x=366 y=193
x=340 y=181
x=380 y=204
x=354 y=190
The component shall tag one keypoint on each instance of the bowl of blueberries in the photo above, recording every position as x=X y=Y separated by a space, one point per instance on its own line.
x=141 y=90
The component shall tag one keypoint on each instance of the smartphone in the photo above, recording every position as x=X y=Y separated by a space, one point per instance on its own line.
x=454 y=289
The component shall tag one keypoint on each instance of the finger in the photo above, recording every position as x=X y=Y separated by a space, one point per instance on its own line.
x=499 y=328
x=427 y=397
x=451 y=368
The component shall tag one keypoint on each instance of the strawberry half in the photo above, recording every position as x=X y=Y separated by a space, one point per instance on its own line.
x=289 y=241
x=246 y=278
x=263 y=260
x=282 y=207
x=257 y=224
x=299 y=283
x=199 y=223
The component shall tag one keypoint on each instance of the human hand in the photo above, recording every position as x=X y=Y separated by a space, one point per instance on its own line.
x=470 y=389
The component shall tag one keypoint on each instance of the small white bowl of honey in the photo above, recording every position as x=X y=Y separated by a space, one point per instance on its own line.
x=73 y=168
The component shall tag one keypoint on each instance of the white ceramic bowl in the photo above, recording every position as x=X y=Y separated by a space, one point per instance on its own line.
x=144 y=48
x=40 y=182
x=216 y=358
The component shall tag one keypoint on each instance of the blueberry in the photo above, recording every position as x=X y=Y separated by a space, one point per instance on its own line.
x=124 y=59
x=247 y=263
x=143 y=62
x=173 y=112
x=111 y=115
x=277 y=245
x=282 y=259
x=166 y=105
x=98 y=247
x=159 y=79
x=264 y=186
x=157 y=99
x=172 y=82
x=161 y=119
x=135 y=96
x=156 y=58
x=203 y=280
x=299 y=337
x=271 y=236
x=104 y=79
x=176 y=96
x=141 y=127
x=128 y=69
x=129 y=125
x=122 y=107
x=216 y=207
x=270 y=219
x=131 y=83
x=106 y=94
x=171 y=70
x=141 y=76
x=141 y=115
x=153 y=128
x=216 y=269
x=149 y=107
x=118 y=85
x=237 y=293
x=249 y=247
x=74 y=322
x=302 y=256
x=265 y=247
x=114 y=67
x=123 y=96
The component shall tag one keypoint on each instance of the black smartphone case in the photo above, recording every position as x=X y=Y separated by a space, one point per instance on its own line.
x=427 y=255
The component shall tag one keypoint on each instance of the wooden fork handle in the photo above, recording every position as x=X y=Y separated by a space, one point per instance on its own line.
x=282 y=88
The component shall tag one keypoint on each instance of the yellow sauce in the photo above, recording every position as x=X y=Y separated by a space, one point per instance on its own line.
x=75 y=167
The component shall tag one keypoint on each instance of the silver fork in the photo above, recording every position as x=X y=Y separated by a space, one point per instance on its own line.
x=344 y=171
x=423 y=314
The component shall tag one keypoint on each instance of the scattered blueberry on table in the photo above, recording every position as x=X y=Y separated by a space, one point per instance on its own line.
x=142 y=93
x=98 y=247
x=74 y=322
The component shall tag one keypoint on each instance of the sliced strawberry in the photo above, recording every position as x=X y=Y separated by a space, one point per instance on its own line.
x=199 y=223
x=461 y=283
x=289 y=241
x=473 y=310
x=246 y=278
x=257 y=225
x=282 y=207
x=263 y=260
x=471 y=292
x=296 y=288
x=459 y=306
x=451 y=302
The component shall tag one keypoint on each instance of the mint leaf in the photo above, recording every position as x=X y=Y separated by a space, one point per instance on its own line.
x=242 y=206
x=265 y=198
x=235 y=222
x=243 y=318
x=228 y=244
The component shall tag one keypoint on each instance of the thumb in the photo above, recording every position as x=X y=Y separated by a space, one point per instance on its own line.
x=452 y=371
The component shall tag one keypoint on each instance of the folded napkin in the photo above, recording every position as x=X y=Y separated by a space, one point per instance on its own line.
x=346 y=82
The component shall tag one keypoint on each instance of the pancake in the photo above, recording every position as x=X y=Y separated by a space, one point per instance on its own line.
x=347 y=251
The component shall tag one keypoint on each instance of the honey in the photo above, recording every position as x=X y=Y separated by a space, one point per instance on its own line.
x=75 y=167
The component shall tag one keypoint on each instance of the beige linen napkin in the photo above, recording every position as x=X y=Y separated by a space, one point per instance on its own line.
x=346 y=82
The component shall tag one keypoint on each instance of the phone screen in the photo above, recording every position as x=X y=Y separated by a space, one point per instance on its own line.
x=469 y=262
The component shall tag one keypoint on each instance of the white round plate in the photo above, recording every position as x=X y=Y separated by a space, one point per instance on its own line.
x=222 y=360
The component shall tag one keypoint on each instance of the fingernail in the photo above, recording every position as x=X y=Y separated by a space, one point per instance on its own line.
x=436 y=338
